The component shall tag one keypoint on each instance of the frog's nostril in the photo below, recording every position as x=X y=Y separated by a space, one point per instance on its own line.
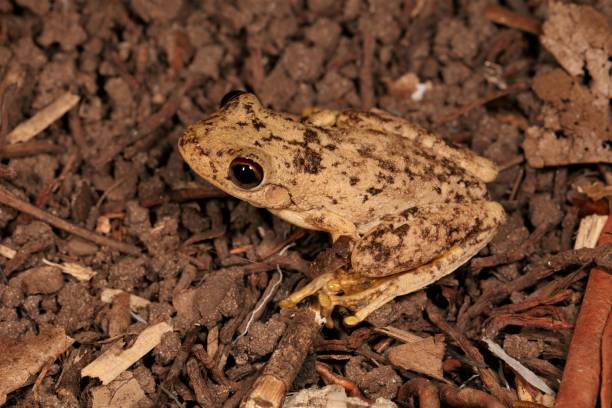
x=245 y=173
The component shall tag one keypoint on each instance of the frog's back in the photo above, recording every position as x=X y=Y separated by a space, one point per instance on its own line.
x=378 y=173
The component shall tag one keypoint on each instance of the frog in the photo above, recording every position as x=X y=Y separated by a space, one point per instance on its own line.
x=413 y=206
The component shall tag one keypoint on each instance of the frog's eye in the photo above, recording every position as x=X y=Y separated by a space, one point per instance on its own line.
x=231 y=95
x=245 y=173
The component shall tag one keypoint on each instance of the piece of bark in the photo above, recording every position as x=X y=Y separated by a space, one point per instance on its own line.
x=575 y=129
x=115 y=360
x=582 y=375
x=467 y=397
x=507 y=17
x=580 y=39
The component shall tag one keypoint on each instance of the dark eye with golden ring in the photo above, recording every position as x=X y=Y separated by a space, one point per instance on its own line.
x=245 y=173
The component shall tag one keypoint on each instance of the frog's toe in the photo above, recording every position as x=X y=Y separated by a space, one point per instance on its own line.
x=361 y=303
x=308 y=290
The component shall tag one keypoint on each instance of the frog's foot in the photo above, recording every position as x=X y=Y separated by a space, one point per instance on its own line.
x=383 y=290
x=310 y=289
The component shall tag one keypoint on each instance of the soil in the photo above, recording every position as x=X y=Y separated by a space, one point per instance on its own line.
x=145 y=70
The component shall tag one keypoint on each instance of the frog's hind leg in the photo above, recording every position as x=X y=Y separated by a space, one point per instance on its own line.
x=456 y=232
x=386 y=289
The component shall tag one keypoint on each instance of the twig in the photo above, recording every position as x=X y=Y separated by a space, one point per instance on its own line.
x=491 y=96
x=487 y=375
x=498 y=322
x=583 y=369
x=10 y=200
x=512 y=19
x=180 y=196
x=43 y=118
x=280 y=371
x=352 y=390
x=512 y=162
x=198 y=383
x=209 y=363
x=467 y=397
x=517 y=254
x=548 y=266
x=76 y=129
x=366 y=85
x=29 y=148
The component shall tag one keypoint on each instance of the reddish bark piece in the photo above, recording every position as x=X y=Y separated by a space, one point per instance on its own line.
x=424 y=389
x=467 y=397
x=504 y=16
x=582 y=373
x=352 y=390
x=606 y=360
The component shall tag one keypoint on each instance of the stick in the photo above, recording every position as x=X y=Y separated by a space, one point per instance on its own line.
x=582 y=373
x=10 y=200
x=280 y=371
x=43 y=118
x=512 y=19
x=366 y=86
x=487 y=375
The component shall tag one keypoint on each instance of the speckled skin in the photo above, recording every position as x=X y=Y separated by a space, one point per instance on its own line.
x=403 y=194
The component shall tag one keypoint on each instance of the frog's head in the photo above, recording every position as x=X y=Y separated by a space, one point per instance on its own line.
x=235 y=150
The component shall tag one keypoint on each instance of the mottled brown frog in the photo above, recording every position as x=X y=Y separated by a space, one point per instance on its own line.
x=414 y=207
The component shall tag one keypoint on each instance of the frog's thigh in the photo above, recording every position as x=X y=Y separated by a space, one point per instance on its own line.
x=418 y=235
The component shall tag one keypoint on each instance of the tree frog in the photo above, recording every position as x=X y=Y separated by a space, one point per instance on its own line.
x=414 y=207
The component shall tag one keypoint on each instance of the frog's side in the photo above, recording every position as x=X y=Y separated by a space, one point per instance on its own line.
x=416 y=207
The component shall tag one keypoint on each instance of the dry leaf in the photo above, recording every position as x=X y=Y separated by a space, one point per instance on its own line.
x=123 y=392
x=21 y=360
x=423 y=357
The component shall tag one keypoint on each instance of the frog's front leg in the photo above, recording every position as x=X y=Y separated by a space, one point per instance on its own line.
x=409 y=251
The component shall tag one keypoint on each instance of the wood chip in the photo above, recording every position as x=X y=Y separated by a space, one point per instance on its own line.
x=7 y=252
x=82 y=273
x=40 y=121
x=116 y=360
x=136 y=302
x=589 y=231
